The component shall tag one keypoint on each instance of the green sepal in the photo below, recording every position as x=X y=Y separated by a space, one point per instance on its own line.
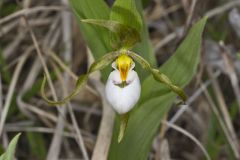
x=123 y=125
x=157 y=75
x=125 y=12
x=97 y=65
x=121 y=36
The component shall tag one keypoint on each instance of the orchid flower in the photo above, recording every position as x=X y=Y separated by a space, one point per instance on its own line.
x=123 y=85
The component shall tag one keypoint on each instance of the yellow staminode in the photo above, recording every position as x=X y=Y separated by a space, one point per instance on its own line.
x=124 y=63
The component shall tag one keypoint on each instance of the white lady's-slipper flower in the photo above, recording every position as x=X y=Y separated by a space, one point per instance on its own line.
x=123 y=86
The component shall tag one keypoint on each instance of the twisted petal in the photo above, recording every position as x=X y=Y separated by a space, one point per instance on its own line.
x=97 y=65
x=158 y=76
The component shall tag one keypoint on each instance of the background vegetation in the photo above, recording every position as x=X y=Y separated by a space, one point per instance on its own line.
x=41 y=36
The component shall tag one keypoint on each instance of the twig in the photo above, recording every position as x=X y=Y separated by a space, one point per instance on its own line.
x=230 y=71
x=223 y=8
x=189 y=135
x=11 y=90
x=209 y=14
x=73 y=118
x=48 y=39
x=79 y=134
x=14 y=44
x=9 y=128
x=224 y=111
x=221 y=121
x=193 y=97
x=28 y=11
x=67 y=25
x=27 y=85
x=1 y=95
x=36 y=45
x=55 y=146
x=56 y=141
x=190 y=16
x=60 y=125
x=7 y=28
x=163 y=152
x=24 y=107
x=168 y=38
x=84 y=108
x=62 y=64
x=163 y=127
x=68 y=70
x=102 y=145
x=37 y=110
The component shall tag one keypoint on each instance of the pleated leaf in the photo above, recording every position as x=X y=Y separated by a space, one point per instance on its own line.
x=156 y=100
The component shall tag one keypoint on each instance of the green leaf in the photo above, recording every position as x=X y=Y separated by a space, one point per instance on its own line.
x=182 y=65
x=96 y=37
x=97 y=65
x=146 y=117
x=9 y=154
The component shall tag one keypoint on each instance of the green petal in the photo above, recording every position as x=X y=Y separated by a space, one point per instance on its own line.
x=158 y=76
x=97 y=65
x=80 y=83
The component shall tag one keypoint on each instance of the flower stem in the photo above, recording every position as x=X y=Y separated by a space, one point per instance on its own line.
x=123 y=126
